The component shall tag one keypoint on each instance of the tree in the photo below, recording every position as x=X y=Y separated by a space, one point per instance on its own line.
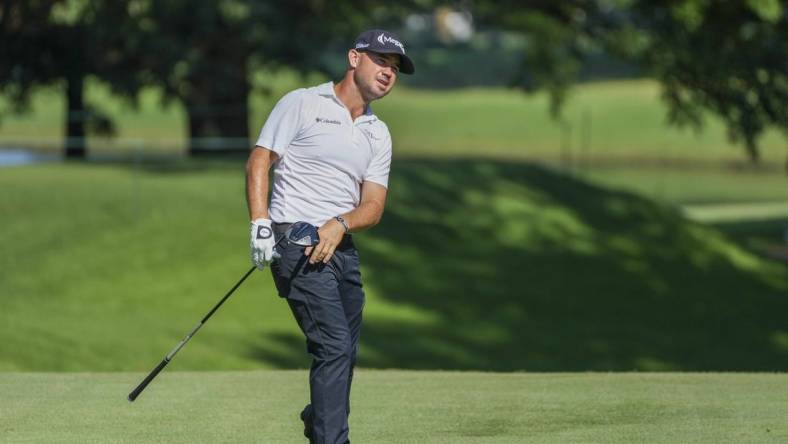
x=727 y=57
x=49 y=41
x=202 y=51
x=199 y=52
x=730 y=58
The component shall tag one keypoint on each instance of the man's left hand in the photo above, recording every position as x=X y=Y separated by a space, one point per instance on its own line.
x=331 y=234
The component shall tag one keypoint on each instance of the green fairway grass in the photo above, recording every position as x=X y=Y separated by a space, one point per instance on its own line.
x=687 y=186
x=400 y=407
x=749 y=206
x=739 y=212
x=603 y=122
x=477 y=264
x=620 y=121
x=510 y=244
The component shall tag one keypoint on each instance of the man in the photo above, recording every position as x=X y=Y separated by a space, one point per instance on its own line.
x=330 y=156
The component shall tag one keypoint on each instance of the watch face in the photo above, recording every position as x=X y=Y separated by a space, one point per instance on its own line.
x=263 y=232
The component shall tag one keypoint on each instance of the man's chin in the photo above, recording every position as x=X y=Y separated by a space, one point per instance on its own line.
x=383 y=94
x=375 y=94
x=382 y=90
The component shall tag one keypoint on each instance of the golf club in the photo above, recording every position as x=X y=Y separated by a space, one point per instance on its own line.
x=300 y=233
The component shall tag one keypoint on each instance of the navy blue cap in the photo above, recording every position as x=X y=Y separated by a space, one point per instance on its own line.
x=384 y=42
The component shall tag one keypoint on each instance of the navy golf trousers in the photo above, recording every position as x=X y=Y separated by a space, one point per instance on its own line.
x=326 y=301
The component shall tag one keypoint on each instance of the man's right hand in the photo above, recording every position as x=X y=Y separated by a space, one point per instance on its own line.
x=262 y=243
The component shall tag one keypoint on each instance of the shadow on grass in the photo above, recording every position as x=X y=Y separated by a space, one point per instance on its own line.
x=764 y=237
x=175 y=164
x=493 y=266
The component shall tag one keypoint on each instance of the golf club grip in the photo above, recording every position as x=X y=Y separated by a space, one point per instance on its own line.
x=136 y=392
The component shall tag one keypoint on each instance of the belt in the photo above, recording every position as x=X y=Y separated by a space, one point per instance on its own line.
x=280 y=229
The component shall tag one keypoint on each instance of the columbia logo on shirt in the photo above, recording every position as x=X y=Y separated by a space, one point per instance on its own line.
x=322 y=120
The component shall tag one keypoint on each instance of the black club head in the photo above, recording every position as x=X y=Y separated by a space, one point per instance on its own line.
x=303 y=234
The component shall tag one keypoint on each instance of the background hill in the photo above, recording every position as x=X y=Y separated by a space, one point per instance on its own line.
x=478 y=264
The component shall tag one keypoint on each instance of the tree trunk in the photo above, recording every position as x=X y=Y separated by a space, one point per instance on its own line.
x=752 y=152
x=75 y=117
x=218 y=113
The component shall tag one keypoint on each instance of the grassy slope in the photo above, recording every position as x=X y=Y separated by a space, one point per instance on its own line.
x=626 y=119
x=695 y=186
x=105 y=267
x=401 y=407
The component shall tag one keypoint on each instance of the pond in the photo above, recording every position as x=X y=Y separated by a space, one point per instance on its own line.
x=21 y=156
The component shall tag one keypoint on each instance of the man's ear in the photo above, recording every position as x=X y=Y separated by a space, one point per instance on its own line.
x=353 y=58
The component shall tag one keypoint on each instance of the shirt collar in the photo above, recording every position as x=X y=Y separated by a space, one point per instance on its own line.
x=327 y=90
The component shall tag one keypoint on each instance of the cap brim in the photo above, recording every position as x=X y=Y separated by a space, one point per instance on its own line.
x=405 y=63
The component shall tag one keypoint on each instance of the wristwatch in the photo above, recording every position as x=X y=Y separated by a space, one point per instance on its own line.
x=341 y=220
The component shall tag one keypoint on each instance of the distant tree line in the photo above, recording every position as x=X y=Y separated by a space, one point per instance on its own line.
x=199 y=52
x=726 y=57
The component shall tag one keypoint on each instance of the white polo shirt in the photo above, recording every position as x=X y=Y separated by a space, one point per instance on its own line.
x=324 y=156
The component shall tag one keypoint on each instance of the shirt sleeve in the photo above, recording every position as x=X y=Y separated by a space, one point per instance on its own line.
x=283 y=124
x=378 y=169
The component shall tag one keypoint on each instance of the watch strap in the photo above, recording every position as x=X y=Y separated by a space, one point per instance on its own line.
x=341 y=220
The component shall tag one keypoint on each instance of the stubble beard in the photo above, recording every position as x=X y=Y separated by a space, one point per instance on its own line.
x=368 y=89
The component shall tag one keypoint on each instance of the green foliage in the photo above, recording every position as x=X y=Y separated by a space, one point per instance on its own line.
x=203 y=53
x=199 y=52
x=47 y=42
x=727 y=57
x=555 y=48
x=21 y=68
x=768 y=10
x=551 y=59
x=730 y=58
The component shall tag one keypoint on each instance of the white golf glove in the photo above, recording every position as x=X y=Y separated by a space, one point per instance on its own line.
x=262 y=243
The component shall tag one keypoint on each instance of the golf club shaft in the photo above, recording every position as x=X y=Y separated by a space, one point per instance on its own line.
x=136 y=392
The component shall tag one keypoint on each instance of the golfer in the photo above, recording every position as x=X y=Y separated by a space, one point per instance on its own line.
x=330 y=156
